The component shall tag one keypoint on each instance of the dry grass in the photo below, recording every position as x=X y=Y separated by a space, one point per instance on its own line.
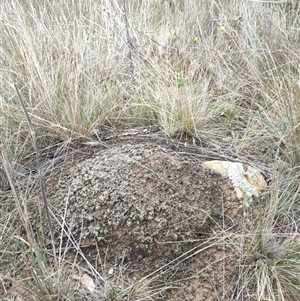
x=272 y=253
x=213 y=69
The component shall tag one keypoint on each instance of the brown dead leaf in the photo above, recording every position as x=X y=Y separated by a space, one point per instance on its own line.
x=88 y=282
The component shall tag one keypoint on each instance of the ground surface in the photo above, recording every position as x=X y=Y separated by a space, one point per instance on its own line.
x=146 y=208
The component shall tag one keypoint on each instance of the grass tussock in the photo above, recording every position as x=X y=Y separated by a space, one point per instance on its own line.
x=225 y=72
x=272 y=251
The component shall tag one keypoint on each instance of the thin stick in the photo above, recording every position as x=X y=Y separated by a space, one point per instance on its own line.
x=32 y=133
x=128 y=42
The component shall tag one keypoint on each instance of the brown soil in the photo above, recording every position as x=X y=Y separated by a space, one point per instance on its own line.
x=153 y=211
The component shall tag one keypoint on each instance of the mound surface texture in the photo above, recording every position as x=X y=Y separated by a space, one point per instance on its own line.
x=145 y=205
x=137 y=198
x=151 y=209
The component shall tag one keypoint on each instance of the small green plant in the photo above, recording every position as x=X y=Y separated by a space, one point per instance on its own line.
x=172 y=38
x=180 y=79
x=112 y=294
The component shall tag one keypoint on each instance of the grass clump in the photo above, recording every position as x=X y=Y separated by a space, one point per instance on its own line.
x=273 y=252
x=276 y=267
